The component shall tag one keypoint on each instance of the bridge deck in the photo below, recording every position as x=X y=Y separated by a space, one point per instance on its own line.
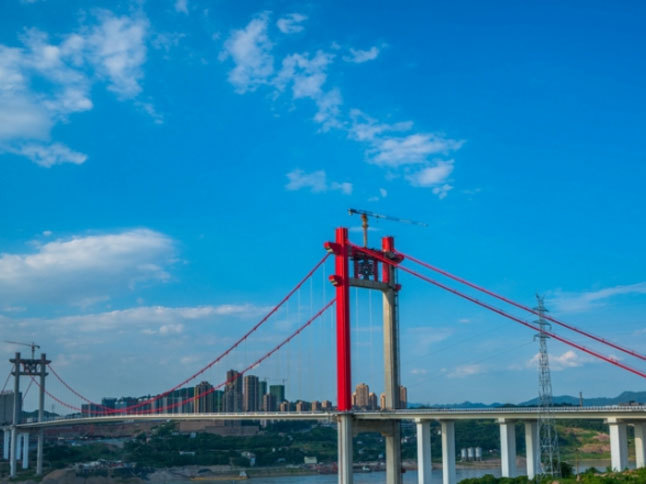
x=623 y=413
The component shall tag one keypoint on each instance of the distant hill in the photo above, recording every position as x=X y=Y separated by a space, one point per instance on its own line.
x=624 y=397
x=455 y=405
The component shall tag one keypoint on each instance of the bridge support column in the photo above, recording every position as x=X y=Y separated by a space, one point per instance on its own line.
x=532 y=449
x=6 y=443
x=391 y=365
x=19 y=446
x=12 y=452
x=448 y=452
x=507 y=448
x=618 y=445
x=25 y=450
x=640 y=448
x=344 y=433
x=423 y=451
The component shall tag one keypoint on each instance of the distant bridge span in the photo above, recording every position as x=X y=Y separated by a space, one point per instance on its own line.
x=608 y=413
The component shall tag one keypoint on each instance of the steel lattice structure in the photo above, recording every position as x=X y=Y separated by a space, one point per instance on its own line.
x=549 y=442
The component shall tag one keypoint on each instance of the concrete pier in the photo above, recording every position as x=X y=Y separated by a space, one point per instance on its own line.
x=344 y=432
x=640 y=448
x=532 y=449
x=25 y=450
x=6 y=443
x=448 y=452
x=618 y=445
x=19 y=446
x=423 y=451
x=507 y=448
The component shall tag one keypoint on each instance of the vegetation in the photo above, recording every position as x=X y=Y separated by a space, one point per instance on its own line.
x=284 y=442
x=589 y=477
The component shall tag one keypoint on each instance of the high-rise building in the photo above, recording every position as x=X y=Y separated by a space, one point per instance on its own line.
x=278 y=391
x=203 y=400
x=250 y=392
x=6 y=407
x=302 y=406
x=362 y=392
x=316 y=406
x=268 y=403
x=382 y=401
x=372 y=401
x=218 y=401
x=284 y=406
x=403 y=397
x=262 y=390
x=326 y=405
x=233 y=392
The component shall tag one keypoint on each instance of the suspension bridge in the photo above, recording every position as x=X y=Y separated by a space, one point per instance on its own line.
x=374 y=270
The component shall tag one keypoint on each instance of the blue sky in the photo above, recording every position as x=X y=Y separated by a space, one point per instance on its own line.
x=170 y=169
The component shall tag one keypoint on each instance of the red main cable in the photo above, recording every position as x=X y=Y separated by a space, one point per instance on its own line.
x=251 y=366
x=522 y=306
x=612 y=361
x=239 y=374
x=216 y=360
x=58 y=400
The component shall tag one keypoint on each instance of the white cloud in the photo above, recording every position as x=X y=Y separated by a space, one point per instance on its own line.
x=411 y=149
x=419 y=371
x=359 y=56
x=154 y=319
x=432 y=175
x=442 y=190
x=71 y=269
x=50 y=155
x=391 y=146
x=328 y=109
x=365 y=128
x=291 y=23
x=306 y=75
x=569 y=359
x=250 y=50
x=344 y=187
x=463 y=371
x=181 y=6
x=586 y=301
x=118 y=50
x=114 y=49
x=316 y=182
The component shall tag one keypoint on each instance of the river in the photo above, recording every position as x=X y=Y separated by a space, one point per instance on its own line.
x=410 y=477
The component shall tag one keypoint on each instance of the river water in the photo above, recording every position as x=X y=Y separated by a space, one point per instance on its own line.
x=410 y=477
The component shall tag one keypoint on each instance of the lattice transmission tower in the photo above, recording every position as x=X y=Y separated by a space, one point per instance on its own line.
x=548 y=438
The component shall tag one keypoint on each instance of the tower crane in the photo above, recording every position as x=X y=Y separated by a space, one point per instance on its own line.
x=364 y=221
x=32 y=345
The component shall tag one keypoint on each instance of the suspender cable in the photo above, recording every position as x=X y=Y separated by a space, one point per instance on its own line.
x=523 y=307
x=608 y=359
x=209 y=365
